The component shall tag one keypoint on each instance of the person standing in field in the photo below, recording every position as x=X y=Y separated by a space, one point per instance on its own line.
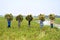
x=42 y=19
x=9 y=18
x=51 y=17
x=19 y=18
x=29 y=18
x=51 y=23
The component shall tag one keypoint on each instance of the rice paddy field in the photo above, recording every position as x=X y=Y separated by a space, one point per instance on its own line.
x=34 y=32
x=57 y=20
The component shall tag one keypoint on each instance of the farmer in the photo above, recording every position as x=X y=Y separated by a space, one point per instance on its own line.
x=51 y=23
x=41 y=23
x=9 y=23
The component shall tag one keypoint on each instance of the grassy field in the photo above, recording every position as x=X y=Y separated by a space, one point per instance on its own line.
x=57 y=20
x=27 y=33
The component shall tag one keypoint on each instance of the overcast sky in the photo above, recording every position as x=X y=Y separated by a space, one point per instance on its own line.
x=25 y=7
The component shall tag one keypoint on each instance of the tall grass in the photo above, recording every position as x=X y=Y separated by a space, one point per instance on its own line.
x=27 y=33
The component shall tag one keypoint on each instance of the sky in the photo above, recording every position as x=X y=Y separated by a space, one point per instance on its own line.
x=26 y=7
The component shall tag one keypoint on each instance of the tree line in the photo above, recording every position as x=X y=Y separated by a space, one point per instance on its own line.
x=29 y=18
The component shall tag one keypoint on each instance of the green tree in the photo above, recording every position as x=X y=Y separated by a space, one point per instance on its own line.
x=19 y=18
x=29 y=18
x=9 y=18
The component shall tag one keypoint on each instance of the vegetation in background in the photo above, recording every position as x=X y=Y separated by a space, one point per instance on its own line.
x=57 y=20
